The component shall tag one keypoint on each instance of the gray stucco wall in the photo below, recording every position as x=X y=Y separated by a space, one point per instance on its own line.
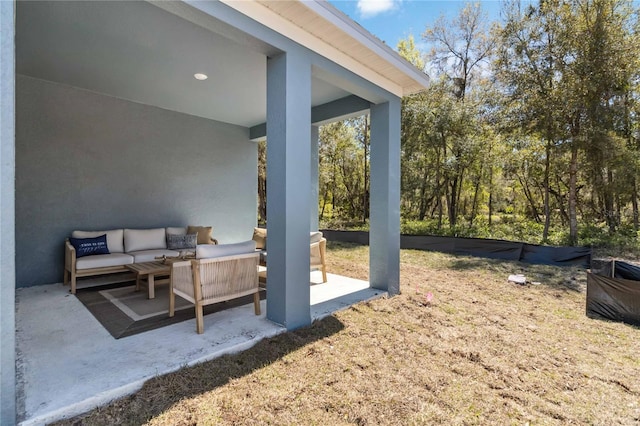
x=92 y=162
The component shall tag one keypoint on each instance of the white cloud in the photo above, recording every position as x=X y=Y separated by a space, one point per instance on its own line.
x=370 y=8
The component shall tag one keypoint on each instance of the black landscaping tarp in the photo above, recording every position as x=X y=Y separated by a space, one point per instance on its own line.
x=493 y=249
x=615 y=298
x=559 y=256
x=626 y=270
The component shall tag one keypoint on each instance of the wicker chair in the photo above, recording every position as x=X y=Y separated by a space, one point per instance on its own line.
x=206 y=281
x=317 y=252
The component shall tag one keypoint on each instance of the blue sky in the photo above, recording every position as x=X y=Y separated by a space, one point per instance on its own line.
x=392 y=20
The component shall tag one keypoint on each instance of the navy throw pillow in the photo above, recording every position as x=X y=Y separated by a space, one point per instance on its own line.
x=90 y=246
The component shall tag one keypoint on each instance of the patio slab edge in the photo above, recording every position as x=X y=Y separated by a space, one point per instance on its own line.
x=106 y=397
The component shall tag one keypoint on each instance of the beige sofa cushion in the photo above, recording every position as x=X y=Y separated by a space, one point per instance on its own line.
x=144 y=239
x=208 y=251
x=103 y=260
x=114 y=238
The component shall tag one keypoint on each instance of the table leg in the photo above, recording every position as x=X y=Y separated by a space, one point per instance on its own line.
x=137 y=281
x=152 y=290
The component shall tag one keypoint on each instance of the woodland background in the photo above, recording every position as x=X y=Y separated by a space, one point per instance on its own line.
x=530 y=130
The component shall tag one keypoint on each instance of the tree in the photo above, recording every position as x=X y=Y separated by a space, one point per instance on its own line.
x=343 y=169
x=605 y=61
x=531 y=65
x=460 y=48
x=565 y=66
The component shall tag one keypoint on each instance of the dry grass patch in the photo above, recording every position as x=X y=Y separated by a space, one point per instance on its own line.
x=484 y=351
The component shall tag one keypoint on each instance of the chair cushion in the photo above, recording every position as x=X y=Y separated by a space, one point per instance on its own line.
x=315 y=236
x=260 y=237
x=150 y=255
x=205 y=233
x=90 y=246
x=180 y=242
x=103 y=260
x=114 y=238
x=144 y=239
x=207 y=251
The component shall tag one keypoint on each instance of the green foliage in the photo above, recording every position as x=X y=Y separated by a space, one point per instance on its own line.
x=529 y=131
x=344 y=170
x=408 y=50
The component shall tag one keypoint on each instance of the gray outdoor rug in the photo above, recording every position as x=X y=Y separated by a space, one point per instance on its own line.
x=125 y=312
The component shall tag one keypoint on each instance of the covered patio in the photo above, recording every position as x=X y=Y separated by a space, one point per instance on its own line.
x=104 y=126
x=60 y=346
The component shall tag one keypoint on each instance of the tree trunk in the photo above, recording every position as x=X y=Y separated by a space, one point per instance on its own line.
x=451 y=202
x=634 y=204
x=460 y=180
x=547 y=208
x=608 y=202
x=456 y=192
x=365 y=195
x=262 y=182
x=560 y=199
x=423 y=195
x=490 y=196
x=573 y=198
x=529 y=197
x=324 y=205
x=445 y=183
x=474 y=205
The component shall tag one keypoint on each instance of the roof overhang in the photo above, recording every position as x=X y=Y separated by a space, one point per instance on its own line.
x=320 y=27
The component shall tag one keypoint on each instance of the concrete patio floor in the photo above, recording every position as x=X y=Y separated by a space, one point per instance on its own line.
x=67 y=363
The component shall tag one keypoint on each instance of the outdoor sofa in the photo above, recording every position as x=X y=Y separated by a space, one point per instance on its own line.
x=108 y=252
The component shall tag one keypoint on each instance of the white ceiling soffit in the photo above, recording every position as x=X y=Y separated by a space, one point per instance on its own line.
x=139 y=52
x=322 y=28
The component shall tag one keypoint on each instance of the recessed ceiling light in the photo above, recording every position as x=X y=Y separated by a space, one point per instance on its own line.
x=200 y=76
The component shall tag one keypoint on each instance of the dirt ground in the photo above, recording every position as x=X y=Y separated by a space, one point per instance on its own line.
x=481 y=351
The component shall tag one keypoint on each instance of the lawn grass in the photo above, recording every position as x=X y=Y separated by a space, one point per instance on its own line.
x=483 y=351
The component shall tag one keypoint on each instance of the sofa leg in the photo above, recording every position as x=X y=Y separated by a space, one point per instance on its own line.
x=73 y=283
x=324 y=274
x=256 y=302
x=66 y=277
x=199 y=319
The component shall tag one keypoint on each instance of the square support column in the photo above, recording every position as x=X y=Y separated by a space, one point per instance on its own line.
x=288 y=160
x=384 y=234
x=7 y=215
x=315 y=174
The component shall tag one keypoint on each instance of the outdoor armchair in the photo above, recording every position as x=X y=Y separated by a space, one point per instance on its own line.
x=317 y=252
x=205 y=281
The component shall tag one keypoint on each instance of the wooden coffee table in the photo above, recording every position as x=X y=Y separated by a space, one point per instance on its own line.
x=150 y=270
